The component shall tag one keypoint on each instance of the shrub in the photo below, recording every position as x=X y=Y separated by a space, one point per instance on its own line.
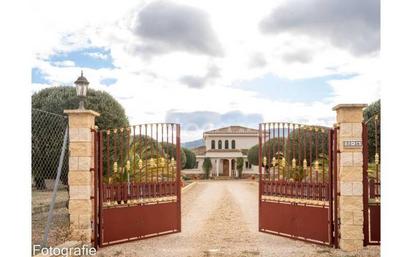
x=239 y=166
x=253 y=155
x=374 y=128
x=207 y=166
x=56 y=100
x=190 y=159
x=170 y=150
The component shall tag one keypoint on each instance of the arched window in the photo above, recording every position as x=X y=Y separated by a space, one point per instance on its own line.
x=219 y=144
x=213 y=144
x=226 y=144
x=233 y=144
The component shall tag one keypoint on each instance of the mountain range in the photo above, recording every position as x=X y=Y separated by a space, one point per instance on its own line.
x=193 y=144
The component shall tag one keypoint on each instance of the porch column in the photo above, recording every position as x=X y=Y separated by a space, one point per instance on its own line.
x=230 y=167
x=80 y=176
x=237 y=173
x=349 y=119
x=217 y=167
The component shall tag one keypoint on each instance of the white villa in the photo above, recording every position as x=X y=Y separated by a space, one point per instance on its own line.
x=223 y=146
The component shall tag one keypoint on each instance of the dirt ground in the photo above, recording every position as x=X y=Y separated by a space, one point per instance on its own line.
x=219 y=218
x=59 y=229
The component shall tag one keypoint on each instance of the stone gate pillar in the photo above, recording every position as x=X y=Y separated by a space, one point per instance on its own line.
x=349 y=119
x=80 y=177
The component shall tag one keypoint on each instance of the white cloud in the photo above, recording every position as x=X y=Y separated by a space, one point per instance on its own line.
x=149 y=87
x=97 y=55
x=66 y=63
x=360 y=89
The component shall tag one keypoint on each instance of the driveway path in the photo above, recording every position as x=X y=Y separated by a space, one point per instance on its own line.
x=220 y=218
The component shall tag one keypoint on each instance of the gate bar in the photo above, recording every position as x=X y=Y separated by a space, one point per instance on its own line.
x=178 y=178
x=260 y=172
x=365 y=185
x=95 y=197
x=335 y=182
x=101 y=193
x=331 y=185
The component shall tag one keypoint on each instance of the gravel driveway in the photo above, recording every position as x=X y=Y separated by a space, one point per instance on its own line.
x=219 y=218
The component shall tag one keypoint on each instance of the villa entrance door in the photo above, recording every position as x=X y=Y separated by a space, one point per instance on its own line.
x=225 y=167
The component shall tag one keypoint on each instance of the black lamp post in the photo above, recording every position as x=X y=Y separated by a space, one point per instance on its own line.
x=81 y=89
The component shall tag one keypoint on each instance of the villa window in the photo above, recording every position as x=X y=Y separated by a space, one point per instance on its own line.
x=219 y=144
x=233 y=144
x=213 y=144
x=226 y=144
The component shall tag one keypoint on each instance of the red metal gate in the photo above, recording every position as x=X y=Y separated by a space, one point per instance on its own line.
x=137 y=183
x=296 y=193
x=371 y=189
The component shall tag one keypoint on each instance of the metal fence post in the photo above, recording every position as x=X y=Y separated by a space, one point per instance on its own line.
x=56 y=185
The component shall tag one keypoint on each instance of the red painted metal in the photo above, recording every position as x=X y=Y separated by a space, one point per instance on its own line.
x=95 y=193
x=309 y=223
x=260 y=174
x=100 y=184
x=284 y=208
x=335 y=188
x=375 y=223
x=371 y=196
x=178 y=179
x=330 y=193
x=136 y=198
x=140 y=221
x=365 y=185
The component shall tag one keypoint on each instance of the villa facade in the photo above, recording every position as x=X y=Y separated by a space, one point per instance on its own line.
x=223 y=146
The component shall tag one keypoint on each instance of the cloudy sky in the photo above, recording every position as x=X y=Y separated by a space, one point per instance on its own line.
x=208 y=64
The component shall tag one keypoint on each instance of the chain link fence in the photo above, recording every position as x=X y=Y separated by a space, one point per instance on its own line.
x=48 y=151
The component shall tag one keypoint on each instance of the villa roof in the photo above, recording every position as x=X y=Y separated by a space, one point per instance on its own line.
x=232 y=130
x=201 y=150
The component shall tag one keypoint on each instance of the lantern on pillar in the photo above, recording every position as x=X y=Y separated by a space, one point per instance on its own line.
x=81 y=89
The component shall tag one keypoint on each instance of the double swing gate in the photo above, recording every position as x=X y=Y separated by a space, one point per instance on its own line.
x=296 y=192
x=137 y=183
